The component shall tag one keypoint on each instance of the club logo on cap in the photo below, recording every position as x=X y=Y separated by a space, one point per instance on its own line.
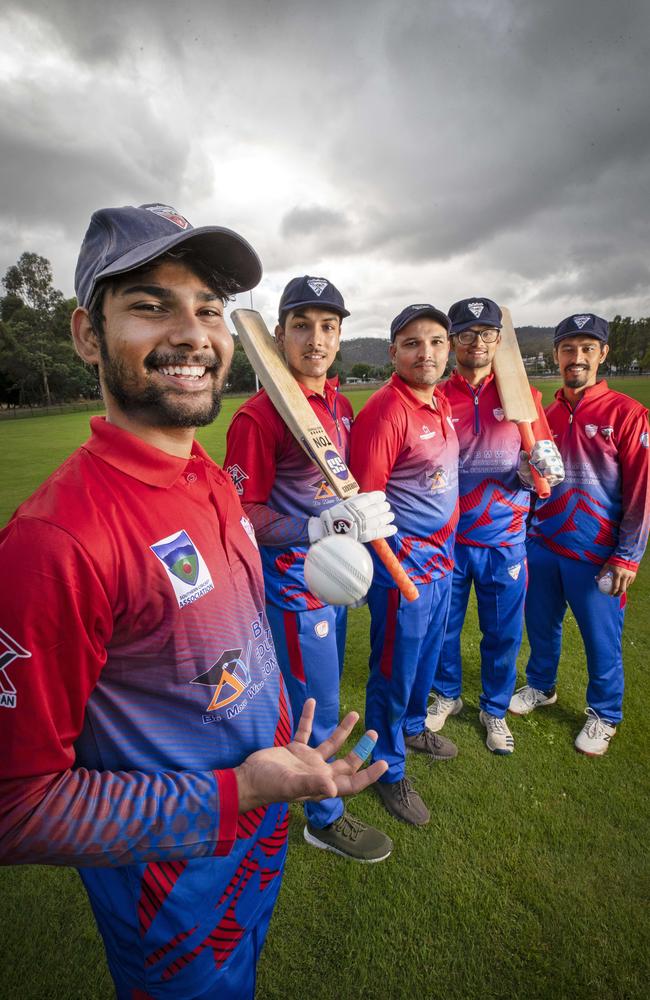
x=476 y=308
x=317 y=285
x=581 y=320
x=167 y=212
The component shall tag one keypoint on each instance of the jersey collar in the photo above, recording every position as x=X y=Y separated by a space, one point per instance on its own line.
x=591 y=392
x=136 y=458
x=409 y=397
x=331 y=389
x=461 y=381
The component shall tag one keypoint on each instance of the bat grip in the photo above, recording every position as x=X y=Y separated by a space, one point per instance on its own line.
x=406 y=586
x=542 y=488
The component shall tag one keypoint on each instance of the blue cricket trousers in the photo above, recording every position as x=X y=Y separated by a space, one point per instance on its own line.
x=499 y=578
x=554 y=582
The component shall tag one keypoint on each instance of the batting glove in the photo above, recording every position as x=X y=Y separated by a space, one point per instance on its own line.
x=546 y=460
x=364 y=517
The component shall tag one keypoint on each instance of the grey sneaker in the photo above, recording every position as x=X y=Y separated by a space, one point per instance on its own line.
x=439 y=711
x=402 y=801
x=526 y=699
x=499 y=738
x=350 y=838
x=438 y=747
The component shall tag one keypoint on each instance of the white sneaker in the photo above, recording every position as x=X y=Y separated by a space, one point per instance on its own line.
x=528 y=698
x=593 y=739
x=439 y=710
x=499 y=738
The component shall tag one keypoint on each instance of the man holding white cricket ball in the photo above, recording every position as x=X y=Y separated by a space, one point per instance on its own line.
x=587 y=539
x=404 y=441
x=291 y=507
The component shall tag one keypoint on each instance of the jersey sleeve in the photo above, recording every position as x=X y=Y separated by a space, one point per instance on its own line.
x=540 y=427
x=250 y=458
x=374 y=448
x=634 y=459
x=55 y=620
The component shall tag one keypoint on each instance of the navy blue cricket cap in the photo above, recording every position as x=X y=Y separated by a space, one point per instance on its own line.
x=415 y=312
x=120 y=240
x=582 y=324
x=308 y=291
x=476 y=311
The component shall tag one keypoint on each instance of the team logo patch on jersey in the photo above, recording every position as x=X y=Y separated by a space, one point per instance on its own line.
x=10 y=650
x=238 y=477
x=498 y=413
x=248 y=528
x=317 y=285
x=167 y=212
x=607 y=432
x=580 y=321
x=591 y=430
x=184 y=566
x=230 y=676
x=323 y=490
x=514 y=571
x=476 y=308
x=321 y=629
x=439 y=479
x=426 y=433
x=643 y=439
x=347 y=423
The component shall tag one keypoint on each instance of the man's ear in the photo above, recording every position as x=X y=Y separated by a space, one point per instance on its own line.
x=279 y=335
x=603 y=353
x=86 y=342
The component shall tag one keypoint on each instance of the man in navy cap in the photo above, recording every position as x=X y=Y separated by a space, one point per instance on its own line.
x=146 y=736
x=404 y=442
x=290 y=506
x=490 y=553
x=587 y=539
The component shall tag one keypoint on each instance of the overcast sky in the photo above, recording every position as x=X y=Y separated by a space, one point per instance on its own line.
x=408 y=151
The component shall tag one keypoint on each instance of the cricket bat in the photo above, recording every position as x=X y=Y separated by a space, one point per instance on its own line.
x=290 y=402
x=514 y=392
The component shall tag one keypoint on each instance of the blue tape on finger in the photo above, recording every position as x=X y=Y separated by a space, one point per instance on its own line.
x=364 y=747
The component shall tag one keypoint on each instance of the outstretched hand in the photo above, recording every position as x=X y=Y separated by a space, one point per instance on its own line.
x=298 y=772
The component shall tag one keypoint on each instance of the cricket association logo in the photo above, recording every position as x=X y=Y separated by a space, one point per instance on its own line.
x=185 y=567
x=230 y=676
x=10 y=650
x=439 y=479
x=167 y=212
x=317 y=285
x=476 y=308
x=238 y=477
x=498 y=413
x=591 y=430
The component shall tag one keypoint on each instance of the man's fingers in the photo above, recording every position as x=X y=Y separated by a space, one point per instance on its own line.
x=334 y=743
x=364 y=747
x=303 y=732
x=352 y=784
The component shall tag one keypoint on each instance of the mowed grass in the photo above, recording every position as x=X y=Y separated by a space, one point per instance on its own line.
x=532 y=880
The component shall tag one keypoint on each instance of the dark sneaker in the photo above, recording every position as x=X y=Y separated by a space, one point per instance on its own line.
x=350 y=838
x=438 y=747
x=401 y=800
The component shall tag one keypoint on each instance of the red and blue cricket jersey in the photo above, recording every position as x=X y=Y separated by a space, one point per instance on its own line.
x=269 y=467
x=136 y=671
x=601 y=512
x=493 y=502
x=409 y=448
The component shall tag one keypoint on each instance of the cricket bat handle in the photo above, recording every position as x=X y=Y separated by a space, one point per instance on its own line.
x=405 y=585
x=542 y=488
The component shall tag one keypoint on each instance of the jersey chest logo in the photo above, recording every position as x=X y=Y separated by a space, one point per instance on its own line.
x=185 y=567
x=591 y=430
x=498 y=413
x=238 y=477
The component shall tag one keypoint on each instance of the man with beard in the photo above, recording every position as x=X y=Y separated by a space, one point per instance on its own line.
x=490 y=543
x=146 y=735
x=587 y=539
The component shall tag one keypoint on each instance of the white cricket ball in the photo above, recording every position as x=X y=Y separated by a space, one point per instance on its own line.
x=606 y=583
x=338 y=570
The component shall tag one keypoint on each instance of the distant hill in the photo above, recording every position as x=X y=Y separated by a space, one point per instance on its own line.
x=374 y=350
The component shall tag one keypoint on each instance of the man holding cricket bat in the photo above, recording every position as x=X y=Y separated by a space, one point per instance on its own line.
x=404 y=441
x=291 y=505
x=490 y=548
x=587 y=539
x=145 y=735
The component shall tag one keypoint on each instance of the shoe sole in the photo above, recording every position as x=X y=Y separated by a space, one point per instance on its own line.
x=315 y=842
x=540 y=704
x=593 y=753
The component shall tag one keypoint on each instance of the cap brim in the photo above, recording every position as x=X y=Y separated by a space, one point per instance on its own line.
x=223 y=249
x=315 y=304
x=474 y=322
x=435 y=314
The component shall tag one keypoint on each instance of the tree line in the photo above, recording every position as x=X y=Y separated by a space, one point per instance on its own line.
x=39 y=366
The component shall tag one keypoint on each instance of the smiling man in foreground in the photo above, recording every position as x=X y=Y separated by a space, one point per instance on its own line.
x=147 y=739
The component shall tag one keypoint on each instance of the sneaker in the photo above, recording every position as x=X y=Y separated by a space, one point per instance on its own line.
x=350 y=838
x=593 y=739
x=499 y=738
x=402 y=801
x=528 y=698
x=438 y=747
x=439 y=710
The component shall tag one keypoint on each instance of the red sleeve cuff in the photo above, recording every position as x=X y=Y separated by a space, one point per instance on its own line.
x=624 y=563
x=228 y=811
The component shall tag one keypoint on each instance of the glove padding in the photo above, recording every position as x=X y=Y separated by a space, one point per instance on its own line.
x=364 y=517
x=546 y=460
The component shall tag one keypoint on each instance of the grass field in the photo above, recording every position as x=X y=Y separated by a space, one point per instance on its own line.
x=532 y=880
